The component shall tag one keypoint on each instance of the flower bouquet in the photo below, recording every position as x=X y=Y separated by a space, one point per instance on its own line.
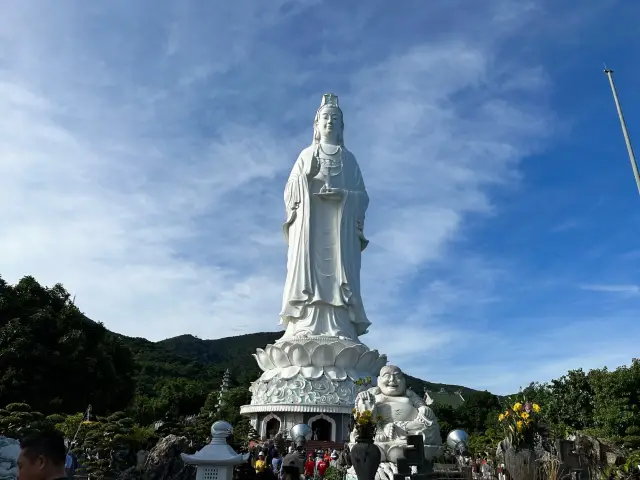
x=365 y=455
x=520 y=422
x=365 y=424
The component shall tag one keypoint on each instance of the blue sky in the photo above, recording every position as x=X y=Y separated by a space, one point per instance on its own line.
x=144 y=148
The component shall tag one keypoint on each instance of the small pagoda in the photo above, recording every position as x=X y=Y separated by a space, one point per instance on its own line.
x=224 y=388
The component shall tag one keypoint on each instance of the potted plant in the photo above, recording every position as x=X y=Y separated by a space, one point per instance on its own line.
x=520 y=423
x=365 y=455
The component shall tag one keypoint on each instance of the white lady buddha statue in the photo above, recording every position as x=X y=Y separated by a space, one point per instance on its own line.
x=326 y=201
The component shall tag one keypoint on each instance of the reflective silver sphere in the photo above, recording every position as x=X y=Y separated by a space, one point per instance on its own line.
x=457 y=437
x=302 y=431
x=221 y=429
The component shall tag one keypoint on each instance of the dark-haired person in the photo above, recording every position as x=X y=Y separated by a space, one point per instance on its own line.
x=42 y=457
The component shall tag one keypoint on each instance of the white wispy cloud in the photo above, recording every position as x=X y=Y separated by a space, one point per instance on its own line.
x=534 y=352
x=610 y=288
x=143 y=165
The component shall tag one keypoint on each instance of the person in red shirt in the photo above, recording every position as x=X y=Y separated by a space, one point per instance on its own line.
x=322 y=467
x=309 y=467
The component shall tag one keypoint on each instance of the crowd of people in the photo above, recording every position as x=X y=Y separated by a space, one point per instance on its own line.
x=267 y=462
x=482 y=468
x=44 y=456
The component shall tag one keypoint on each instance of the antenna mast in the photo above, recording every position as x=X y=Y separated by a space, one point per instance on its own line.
x=625 y=133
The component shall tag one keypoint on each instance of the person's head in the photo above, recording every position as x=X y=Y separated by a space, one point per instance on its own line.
x=261 y=455
x=328 y=126
x=42 y=456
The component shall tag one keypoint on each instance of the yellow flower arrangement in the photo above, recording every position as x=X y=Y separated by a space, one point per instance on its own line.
x=365 y=424
x=520 y=422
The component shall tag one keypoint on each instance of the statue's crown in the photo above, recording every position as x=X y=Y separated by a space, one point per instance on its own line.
x=329 y=99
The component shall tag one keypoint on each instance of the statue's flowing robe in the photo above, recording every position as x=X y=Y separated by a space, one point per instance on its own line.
x=325 y=238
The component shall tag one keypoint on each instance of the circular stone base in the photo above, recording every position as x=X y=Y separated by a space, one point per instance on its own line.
x=298 y=390
x=319 y=339
x=345 y=409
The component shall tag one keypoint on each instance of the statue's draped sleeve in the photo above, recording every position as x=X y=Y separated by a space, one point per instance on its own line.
x=360 y=199
x=296 y=234
x=296 y=190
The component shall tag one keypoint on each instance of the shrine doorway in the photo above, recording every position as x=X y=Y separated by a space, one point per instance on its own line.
x=273 y=427
x=323 y=428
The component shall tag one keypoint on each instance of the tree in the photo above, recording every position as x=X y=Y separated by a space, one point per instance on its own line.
x=616 y=400
x=537 y=392
x=18 y=420
x=478 y=409
x=570 y=402
x=112 y=442
x=243 y=433
x=48 y=349
x=483 y=445
x=232 y=400
x=447 y=419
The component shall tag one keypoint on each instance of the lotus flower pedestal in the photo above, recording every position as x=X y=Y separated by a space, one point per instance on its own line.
x=308 y=379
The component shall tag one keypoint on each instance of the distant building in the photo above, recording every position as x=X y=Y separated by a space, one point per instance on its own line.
x=442 y=397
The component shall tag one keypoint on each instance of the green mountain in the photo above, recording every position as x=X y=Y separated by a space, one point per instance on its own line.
x=235 y=352
x=180 y=374
x=56 y=360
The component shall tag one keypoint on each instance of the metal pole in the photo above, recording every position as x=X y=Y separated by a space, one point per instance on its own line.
x=625 y=133
x=86 y=416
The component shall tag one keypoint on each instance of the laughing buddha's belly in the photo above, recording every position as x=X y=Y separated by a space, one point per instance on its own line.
x=395 y=409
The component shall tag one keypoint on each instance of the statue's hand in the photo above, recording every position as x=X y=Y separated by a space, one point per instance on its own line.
x=381 y=437
x=330 y=193
x=313 y=167
x=426 y=415
x=368 y=400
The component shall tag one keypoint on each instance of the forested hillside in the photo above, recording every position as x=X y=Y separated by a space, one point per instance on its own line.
x=234 y=352
x=57 y=360
x=54 y=362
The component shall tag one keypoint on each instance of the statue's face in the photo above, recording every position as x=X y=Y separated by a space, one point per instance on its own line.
x=329 y=123
x=392 y=382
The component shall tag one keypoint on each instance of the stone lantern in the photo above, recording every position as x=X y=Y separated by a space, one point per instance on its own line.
x=216 y=460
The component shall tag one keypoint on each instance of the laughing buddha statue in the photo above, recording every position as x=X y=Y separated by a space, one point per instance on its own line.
x=403 y=413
